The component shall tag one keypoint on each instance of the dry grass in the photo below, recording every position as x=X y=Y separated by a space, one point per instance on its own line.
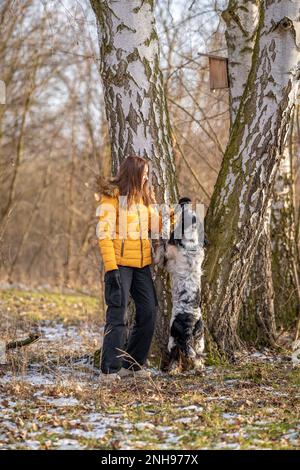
x=48 y=403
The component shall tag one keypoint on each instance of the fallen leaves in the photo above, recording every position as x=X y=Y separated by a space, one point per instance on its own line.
x=47 y=404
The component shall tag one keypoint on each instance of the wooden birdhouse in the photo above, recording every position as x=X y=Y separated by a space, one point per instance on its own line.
x=218 y=72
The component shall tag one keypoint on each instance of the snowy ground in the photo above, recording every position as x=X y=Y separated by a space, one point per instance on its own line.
x=48 y=403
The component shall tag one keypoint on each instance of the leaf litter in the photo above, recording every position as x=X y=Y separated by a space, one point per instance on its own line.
x=46 y=402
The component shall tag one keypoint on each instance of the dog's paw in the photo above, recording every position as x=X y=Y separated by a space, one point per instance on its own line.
x=158 y=254
x=174 y=370
x=193 y=365
x=199 y=366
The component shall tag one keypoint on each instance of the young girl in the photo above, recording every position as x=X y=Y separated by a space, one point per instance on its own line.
x=126 y=216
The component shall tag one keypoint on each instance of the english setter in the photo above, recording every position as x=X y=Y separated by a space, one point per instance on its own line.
x=182 y=256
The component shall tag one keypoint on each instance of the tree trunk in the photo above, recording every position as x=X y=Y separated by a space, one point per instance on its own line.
x=69 y=242
x=136 y=108
x=285 y=257
x=235 y=218
x=257 y=321
x=241 y=19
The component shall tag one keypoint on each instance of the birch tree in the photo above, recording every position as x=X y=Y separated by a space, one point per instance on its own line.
x=274 y=261
x=236 y=215
x=136 y=107
x=285 y=257
x=257 y=322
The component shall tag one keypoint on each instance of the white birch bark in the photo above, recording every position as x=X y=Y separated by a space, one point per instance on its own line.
x=257 y=314
x=241 y=18
x=134 y=95
x=257 y=324
x=236 y=214
x=136 y=108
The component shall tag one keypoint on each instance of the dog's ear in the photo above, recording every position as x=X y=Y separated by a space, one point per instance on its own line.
x=172 y=240
x=184 y=200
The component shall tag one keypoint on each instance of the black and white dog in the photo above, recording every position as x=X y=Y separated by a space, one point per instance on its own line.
x=182 y=256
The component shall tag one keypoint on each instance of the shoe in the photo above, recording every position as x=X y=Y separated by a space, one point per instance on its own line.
x=108 y=378
x=141 y=373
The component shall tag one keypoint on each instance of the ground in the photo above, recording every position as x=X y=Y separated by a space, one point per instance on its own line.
x=46 y=402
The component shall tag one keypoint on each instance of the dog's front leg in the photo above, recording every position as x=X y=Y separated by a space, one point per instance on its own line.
x=158 y=253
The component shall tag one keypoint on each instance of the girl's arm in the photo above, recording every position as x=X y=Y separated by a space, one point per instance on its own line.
x=106 y=231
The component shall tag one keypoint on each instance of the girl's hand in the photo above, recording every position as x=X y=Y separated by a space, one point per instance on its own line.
x=113 y=289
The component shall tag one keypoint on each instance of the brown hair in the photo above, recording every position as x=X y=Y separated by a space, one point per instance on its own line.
x=129 y=181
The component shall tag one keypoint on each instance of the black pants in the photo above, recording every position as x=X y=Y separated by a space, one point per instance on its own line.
x=138 y=282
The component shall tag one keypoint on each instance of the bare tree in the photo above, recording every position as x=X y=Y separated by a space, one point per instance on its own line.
x=49 y=104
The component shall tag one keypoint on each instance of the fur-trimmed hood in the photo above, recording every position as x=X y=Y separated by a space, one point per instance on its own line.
x=103 y=186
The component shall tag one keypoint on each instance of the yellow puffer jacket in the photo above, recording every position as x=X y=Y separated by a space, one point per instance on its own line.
x=123 y=232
